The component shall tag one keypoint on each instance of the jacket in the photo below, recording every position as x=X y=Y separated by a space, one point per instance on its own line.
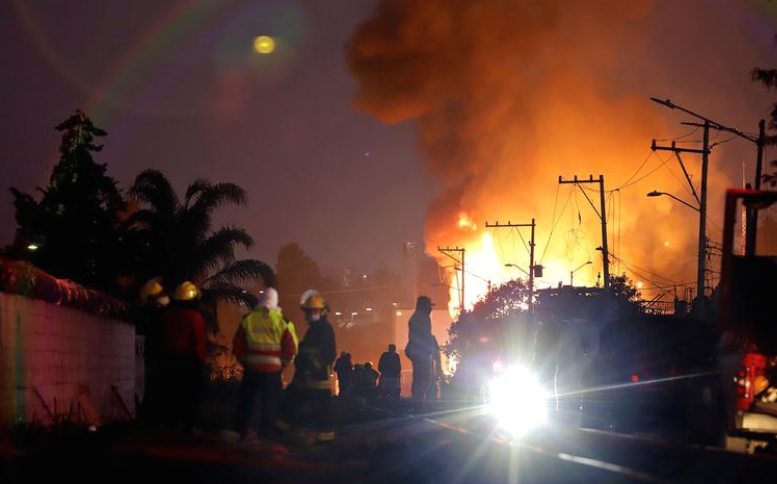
x=317 y=352
x=265 y=342
x=389 y=365
x=183 y=334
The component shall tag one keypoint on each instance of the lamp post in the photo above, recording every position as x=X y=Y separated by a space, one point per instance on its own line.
x=701 y=264
x=656 y=193
x=572 y=273
x=514 y=266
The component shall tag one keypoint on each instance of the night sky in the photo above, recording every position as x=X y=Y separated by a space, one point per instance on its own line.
x=178 y=88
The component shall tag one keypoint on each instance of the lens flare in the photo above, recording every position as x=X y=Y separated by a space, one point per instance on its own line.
x=264 y=44
x=518 y=401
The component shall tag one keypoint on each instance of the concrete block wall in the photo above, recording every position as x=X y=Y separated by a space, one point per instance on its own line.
x=49 y=352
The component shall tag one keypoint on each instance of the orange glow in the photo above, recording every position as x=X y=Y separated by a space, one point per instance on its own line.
x=496 y=140
x=465 y=222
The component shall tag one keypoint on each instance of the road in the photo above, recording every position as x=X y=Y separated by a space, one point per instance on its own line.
x=384 y=446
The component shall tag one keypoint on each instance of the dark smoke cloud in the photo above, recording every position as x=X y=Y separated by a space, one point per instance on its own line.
x=508 y=95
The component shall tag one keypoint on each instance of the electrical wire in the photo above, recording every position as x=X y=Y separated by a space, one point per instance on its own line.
x=556 y=221
x=664 y=162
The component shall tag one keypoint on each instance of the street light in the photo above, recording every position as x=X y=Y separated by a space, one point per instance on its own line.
x=572 y=273
x=702 y=251
x=656 y=193
x=517 y=267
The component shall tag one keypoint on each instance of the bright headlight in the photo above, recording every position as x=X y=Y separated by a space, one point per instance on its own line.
x=517 y=400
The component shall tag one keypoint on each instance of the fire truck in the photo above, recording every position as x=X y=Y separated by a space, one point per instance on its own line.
x=744 y=392
x=715 y=384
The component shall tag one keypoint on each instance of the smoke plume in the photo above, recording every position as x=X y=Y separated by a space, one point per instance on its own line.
x=510 y=94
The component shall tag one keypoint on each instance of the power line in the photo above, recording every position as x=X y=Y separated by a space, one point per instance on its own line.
x=638 y=169
x=664 y=162
x=556 y=221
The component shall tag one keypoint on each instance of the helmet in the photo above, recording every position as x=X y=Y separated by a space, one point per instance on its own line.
x=269 y=298
x=761 y=383
x=186 y=291
x=150 y=289
x=313 y=300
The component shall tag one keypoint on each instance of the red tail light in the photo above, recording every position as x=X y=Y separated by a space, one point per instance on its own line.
x=635 y=378
x=743 y=382
x=752 y=365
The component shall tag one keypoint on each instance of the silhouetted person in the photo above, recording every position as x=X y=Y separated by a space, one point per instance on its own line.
x=182 y=357
x=420 y=348
x=153 y=307
x=390 y=368
x=344 y=370
x=367 y=382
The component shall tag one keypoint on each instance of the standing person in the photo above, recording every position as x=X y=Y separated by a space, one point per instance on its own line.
x=312 y=366
x=419 y=348
x=153 y=306
x=182 y=357
x=344 y=370
x=367 y=382
x=265 y=344
x=390 y=368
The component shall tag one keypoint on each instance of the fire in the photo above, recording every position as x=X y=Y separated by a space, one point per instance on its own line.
x=487 y=265
x=496 y=136
x=465 y=222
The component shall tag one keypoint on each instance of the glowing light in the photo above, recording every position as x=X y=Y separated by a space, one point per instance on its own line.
x=635 y=378
x=369 y=310
x=639 y=285
x=518 y=401
x=32 y=247
x=666 y=244
x=465 y=222
x=338 y=313
x=264 y=44
x=399 y=313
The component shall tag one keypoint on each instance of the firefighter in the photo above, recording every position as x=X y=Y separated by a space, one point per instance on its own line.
x=182 y=357
x=390 y=368
x=265 y=344
x=313 y=366
x=153 y=306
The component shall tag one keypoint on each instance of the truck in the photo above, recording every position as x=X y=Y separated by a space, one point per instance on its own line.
x=745 y=386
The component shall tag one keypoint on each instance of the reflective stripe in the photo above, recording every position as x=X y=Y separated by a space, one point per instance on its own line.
x=264 y=346
x=263 y=360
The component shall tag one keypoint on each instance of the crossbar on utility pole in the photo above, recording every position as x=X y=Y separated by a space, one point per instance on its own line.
x=449 y=251
x=702 y=241
x=759 y=141
x=531 y=255
x=602 y=217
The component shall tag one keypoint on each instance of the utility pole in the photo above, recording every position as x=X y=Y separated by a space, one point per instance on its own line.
x=760 y=142
x=752 y=214
x=531 y=255
x=602 y=217
x=461 y=252
x=702 y=242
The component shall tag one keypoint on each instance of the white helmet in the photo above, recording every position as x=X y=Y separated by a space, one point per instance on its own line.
x=269 y=298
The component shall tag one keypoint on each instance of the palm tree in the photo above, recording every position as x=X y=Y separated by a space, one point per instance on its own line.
x=174 y=239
